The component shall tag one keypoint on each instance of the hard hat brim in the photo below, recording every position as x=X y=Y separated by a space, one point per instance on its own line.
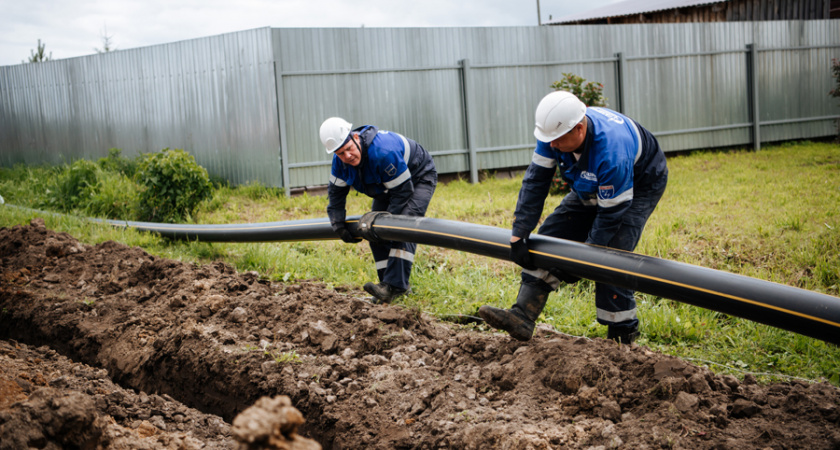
x=346 y=140
x=542 y=137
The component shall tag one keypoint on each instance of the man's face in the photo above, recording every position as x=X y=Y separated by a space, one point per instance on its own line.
x=570 y=141
x=350 y=153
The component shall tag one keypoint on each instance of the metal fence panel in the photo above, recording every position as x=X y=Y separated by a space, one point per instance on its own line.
x=213 y=97
x=792 y=78
x=248 y=105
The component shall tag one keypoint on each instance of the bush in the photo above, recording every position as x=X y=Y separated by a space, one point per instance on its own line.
x=115 y=162
x=835 y=70
x=591 y=94
x=70 y=187
x=172 y=185
x=86 y=187
x=115 y=196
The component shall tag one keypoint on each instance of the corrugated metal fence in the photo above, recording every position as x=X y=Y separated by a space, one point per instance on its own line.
x=248 y=105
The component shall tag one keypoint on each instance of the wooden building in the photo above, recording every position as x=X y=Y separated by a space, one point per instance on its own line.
x=681 y=11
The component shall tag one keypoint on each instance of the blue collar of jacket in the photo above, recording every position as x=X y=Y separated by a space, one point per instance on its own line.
x=583 y=161
x=366 y=135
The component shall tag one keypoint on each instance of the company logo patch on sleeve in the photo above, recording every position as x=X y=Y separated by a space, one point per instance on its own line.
x=391 y=170
x=605 y=192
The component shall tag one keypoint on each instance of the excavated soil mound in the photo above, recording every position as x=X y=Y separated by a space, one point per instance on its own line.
x=107 y=346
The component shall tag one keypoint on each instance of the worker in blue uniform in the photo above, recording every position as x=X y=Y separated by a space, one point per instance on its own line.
x=400 y=176
x=617 y=173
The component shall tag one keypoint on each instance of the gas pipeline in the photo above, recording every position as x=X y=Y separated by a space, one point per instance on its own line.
x=798 y=310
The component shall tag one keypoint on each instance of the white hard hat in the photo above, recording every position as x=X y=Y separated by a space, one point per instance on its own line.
x=557 y=113
x=334 y=133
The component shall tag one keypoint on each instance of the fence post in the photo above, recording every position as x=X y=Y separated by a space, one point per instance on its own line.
x=752 y=84
x=281 y=122
x=619 y=81
x=465 y=97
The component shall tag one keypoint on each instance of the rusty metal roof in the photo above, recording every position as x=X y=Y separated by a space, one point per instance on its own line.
x=629 y=7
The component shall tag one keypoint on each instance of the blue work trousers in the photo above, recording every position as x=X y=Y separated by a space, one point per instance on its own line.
x=573 y=221
x=395 y=259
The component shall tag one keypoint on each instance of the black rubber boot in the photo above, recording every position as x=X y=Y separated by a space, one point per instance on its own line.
x=382 y=292
x=623 y=335
x=520 y=319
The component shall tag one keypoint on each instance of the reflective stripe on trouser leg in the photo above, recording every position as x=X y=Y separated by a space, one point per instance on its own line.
x=540 y=278
x=400 y=260
x=615 y=305
x=380 y=257
x=394 y=262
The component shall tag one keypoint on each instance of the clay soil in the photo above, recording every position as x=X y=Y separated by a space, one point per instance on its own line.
x=107 y=346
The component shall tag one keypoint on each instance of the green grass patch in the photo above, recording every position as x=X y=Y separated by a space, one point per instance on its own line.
x=772 y=215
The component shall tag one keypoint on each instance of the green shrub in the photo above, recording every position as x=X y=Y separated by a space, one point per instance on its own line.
x=86 y=187
x=27 y=185
x=69 y=188
x=173 y=184
x=114 y=196
x=591 y=94
x=115 y=162
x=835 y=70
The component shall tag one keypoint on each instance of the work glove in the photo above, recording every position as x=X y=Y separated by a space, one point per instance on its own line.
x=346 y=236
x=520 y=255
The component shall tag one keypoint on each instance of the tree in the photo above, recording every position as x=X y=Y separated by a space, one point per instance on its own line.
x=590 y=93
x=40 y=55
x=106 y=42
x=835 y=70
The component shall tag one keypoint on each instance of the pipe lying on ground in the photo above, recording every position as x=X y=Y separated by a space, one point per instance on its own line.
x=793 y=309
x=789 y=308
x=294 y=230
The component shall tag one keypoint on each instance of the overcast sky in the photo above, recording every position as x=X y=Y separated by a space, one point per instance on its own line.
x=71 y=28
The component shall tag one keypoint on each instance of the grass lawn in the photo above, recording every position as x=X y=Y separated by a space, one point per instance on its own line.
x=772 y=215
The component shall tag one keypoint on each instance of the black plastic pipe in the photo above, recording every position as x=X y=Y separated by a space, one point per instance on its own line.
x=294 y=230
x=793 y=309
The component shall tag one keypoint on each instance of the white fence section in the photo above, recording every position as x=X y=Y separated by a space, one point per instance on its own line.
x=248 y=105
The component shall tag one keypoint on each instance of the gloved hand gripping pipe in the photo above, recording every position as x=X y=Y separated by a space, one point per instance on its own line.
x=365 y=225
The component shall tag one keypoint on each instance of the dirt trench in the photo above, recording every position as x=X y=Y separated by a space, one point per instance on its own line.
x=178 y=350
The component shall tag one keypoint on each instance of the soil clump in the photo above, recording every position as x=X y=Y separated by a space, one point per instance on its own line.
x=107 y=346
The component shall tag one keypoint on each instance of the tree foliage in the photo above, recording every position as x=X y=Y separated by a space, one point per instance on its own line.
x=39 y=55
x=107 y=44
x=591 y=93
x=835 y=70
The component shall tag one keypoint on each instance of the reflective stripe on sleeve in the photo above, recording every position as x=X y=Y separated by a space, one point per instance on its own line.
x=542 y=161
x=337 y=181
x=407 y=152
x=638 y=138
